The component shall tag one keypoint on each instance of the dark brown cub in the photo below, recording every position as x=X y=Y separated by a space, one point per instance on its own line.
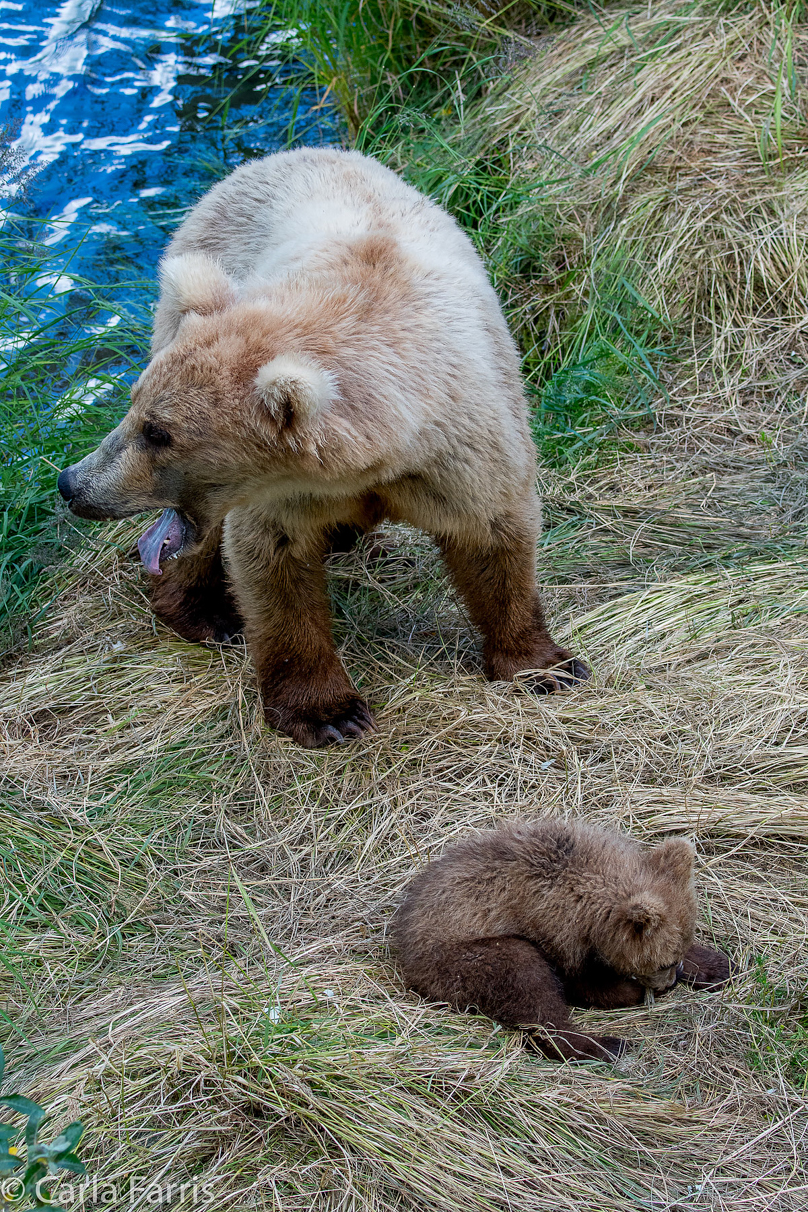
x=524 y=921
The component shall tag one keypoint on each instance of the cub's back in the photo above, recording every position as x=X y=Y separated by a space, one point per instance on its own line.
x=476 y=889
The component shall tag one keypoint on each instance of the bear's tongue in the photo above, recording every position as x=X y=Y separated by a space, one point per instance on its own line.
x=163 y=539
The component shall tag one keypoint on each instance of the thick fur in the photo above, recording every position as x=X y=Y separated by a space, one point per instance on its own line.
x=327 y=352
x=528 y=919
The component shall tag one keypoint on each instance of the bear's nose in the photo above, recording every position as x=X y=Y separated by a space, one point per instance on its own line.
x=66 y=485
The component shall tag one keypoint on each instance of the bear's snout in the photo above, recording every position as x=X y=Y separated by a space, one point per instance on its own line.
x=75 y=486
x=662 y=980
x=67 y=483
x=105 y=484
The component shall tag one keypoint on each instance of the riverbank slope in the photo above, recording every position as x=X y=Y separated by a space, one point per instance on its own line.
x=196 y=909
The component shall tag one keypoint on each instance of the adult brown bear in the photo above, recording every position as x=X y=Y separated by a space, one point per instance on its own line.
x=327 y=352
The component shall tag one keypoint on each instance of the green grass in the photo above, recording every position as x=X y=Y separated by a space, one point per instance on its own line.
x=66 y=360
x=780 y=1030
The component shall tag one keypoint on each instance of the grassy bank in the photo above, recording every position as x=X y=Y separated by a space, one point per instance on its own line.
x=65 y=357
x=195 y=910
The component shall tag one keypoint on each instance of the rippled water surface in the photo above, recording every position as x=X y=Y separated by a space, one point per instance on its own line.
x=126 y=112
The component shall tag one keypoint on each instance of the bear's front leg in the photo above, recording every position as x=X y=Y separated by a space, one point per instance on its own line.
x=596 y=984
x=281 y=589
x=497 y=578
x=704 y=968
x=191 y=594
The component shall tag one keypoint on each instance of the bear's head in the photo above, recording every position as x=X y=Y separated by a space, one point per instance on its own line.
x=226 y=407
x=648 y=917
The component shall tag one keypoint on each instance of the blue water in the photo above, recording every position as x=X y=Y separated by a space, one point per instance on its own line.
x=124 y=113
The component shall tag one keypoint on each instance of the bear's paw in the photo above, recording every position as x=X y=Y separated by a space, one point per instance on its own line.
x=315 y=729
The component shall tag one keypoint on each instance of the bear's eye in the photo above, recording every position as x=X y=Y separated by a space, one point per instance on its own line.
x=155 y=435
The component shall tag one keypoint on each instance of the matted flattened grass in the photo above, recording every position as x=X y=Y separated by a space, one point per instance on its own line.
x=197 y=908
x=669 y=143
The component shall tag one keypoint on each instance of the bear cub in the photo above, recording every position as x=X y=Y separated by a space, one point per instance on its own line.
x=533 y=917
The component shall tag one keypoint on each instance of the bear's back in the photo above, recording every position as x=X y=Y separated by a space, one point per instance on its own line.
x=337 y=247
x=266 y=217
x=521 y=879
x=478 y=887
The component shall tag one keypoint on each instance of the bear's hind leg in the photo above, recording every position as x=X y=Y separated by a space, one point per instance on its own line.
x=510 y=980
x=281 y=588
x=497 y=579
x=191 y=595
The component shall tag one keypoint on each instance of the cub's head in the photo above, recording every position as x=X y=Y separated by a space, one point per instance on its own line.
x=223 y=407
x=647 y=924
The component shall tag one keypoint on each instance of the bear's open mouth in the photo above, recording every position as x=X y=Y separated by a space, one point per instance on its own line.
x=164 y=540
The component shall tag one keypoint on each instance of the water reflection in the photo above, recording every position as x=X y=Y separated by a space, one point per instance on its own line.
x=128 y=111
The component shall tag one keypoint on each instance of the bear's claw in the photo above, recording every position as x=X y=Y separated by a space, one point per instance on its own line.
x=345 y=724
x=562 y=676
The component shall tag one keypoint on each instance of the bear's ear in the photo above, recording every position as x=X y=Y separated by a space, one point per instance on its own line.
x=673 y=860
x=193 y=282
x=644 y=912
x=294 y=388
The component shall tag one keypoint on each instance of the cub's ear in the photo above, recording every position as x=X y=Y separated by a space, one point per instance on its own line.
x=294 y=388
x=644 y=912
x=673 y=859
x=193 y=282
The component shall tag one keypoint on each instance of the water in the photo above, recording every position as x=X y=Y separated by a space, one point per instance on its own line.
x=124 y=113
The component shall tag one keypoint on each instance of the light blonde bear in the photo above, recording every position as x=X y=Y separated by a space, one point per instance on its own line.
x=327 y=352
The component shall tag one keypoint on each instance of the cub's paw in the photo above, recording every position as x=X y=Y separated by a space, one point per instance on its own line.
x=330 y=726
x=704 y=968
x=611 y=1045
x=563 y=673
x=575 y=1046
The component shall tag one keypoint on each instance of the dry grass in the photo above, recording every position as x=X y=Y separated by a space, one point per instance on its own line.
x=199 y=908
x=670 y=142
x=196 y=909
